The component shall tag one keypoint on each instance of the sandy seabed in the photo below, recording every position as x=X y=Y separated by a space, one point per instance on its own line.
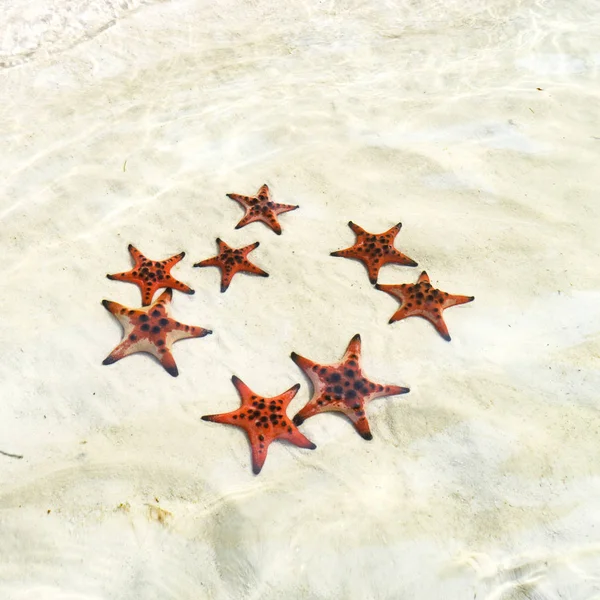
x=475 y=125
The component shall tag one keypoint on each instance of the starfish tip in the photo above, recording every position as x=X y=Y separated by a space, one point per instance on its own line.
x=206 y=418
x=412 y=263
x=172 y=371
x=367 y=435
x=192 y=292
x=447 y=337
x=109 y=277
x=256 y=469
x=108 y=360
x=130 y=247
x=298 y=420
x=312 y=446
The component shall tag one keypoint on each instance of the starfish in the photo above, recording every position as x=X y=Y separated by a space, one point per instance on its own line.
x=150 y=275
x=375 y=250
x=342 y=387
x=231 y=261
x=423 y=300
x=150 y=330
x=264 y=420
x=261 y=208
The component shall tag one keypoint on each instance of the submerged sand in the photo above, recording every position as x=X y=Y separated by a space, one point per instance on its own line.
x=476 y=127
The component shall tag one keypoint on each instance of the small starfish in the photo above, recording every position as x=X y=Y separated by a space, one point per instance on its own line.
x=375 y=250
x=264 y=420
x=261 y=208
x=150 y=275
x=342 y=387
x=423 y=300
x=231 y=261
x=150 y=330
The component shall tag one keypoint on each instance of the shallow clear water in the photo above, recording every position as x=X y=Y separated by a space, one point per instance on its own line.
x=474 y=124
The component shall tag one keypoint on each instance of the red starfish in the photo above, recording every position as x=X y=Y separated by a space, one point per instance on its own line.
x=150 y=276
x=375 y=250
x=423 y=300
x=264 y=420
x=261 y=208
x=150 y=330
x=342 y=387
x=231 y=261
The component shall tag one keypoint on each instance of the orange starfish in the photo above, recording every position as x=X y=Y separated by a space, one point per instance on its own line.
x=150 y=330
x=423 y=300
x=231 y=261
x=375 y=250
x=264 y=420
x=150 y=275
x=261 y=208
x=342 y=387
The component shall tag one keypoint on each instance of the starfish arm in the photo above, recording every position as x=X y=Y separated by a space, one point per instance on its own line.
x=258 y=449
x=209 y=262
x=353 y=349
x=423 y=278
x=394 y=231
x=263 y=191
x=182 y=332
x=177 y=285
x=137 y=256
x=114 y=307
x=250 y=268
x=245 y=220
x=312 y=408
x=278 y=209
x=361 y=424
x=438 y=322
x=346 y=253
x=373 y=267
x=298 y=439
x=302 y=362
x=247 y=249
x=125 y=276
x=452 y=300
x=388 y=390
x=225 y=280
x=358 y=230
x=171 y=262
x=121 y=351
x=148 y=290
x=243 y=390
x=168 y=362
x=270 y=220
x=289 y=395
x=223 y=418
x=243 y=200
x=398 y=258
x=166 y=297
x=400 y=314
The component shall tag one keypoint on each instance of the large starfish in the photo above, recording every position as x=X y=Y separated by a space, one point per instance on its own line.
x=261 y=208
x=150 y=275
x=423 y=300
x=150 y=330
x=375 y=250
x=231 y=261
x=264 y=420
x=342 y=387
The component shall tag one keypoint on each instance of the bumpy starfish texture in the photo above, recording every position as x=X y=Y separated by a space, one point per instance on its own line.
x=375 y=250
x=343 y=387
x=423 y=300
x=150 y=330
x=231 y=261
x=151 y=275
x=264 y=420
x=261 y=208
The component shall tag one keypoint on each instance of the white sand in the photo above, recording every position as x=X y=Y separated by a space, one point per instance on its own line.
x=483 y=482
